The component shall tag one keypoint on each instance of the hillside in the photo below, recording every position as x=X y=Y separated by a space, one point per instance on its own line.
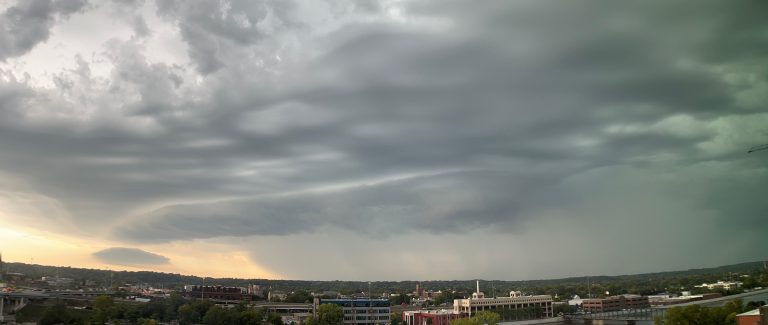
x=636 y=283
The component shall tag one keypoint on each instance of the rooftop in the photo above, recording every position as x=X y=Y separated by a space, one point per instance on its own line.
x=753 y=312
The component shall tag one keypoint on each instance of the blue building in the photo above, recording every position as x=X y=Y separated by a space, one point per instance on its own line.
x=361 y=311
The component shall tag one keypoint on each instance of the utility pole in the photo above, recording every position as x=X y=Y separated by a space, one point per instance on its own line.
x=370 y=302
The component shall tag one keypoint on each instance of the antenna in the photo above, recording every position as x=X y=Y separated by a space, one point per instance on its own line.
x=370 y=302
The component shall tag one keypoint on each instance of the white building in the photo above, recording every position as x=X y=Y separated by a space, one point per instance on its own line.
x=515 y=301
x=720 y=285
x=576 y=301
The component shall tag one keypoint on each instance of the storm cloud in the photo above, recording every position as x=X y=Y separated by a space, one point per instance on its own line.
x=240 y=121
x=130 y=257
x=24 y=25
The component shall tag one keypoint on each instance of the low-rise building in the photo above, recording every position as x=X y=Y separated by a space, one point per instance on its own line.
x=214 y=292
x=753 y=317
x=505 y=305
x=614 y=303
x=576 y=301
x=720 y=285
x=666 y=300
x=430 y=317
x=255 y=290
x=359 y=310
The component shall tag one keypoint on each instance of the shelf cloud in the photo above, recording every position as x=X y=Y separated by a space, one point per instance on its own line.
x=239 y=122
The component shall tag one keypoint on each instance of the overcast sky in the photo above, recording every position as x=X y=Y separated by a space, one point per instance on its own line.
x=393 y=139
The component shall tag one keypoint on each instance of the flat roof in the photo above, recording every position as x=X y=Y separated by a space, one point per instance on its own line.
x=750 y=313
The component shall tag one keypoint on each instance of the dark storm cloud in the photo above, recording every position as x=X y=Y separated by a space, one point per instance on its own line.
x=27 y=23
x=130 y=257
x=377 y=127
x=435 y=204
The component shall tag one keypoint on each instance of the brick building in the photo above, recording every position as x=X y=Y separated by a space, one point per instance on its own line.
x=753 y=317
x=614 y=303
x=430 y=317
x=215 y=292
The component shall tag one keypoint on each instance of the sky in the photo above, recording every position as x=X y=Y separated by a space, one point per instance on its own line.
x=383 y=140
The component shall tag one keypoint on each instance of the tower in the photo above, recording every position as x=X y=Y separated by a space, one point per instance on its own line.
x=419 y=290
x=477 y=294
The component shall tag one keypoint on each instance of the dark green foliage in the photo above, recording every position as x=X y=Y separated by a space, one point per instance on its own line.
x=480 y=318
x=565 y=288
x=696 y=314
x=399 y=299
x=274 y=319
x=327 y=314
x=396 y=319
x=55 y=315
x=531 y=312
x=299 y=296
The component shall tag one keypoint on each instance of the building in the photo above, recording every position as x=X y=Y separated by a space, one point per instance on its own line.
x=327 y=294
x=753 y=317
x=419 y=291
x=515 y=302
x=255 y=290
x=215 y=292
x=431 y=317
x=276 y=295
x=359 y=310
x=614 y=303
x=720 y=285
x=576 y=301
x=666 y=300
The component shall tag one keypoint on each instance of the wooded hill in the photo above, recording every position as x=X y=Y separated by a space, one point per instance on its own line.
x=647 y=283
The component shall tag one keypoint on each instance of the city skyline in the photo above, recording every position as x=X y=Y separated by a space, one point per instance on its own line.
x=383 y=140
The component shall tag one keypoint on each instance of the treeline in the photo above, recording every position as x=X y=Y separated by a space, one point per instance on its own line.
x=650 y=283
x=696 y=314
x=104 y=310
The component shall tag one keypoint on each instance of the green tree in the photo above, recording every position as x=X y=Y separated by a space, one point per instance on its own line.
x=103 y=309
x=215 y=316
x=145 y=321
x=187 y=315
x=698 y=315
x=754 y=305
x=487 y=318
x=399 y=299
x=396 y=319
x=299 y=296
x=463 y=321
x=54 y=315
x=274 y=319
x=327 y=314
x=103 y=303
x=480 y=318
x=251 y=317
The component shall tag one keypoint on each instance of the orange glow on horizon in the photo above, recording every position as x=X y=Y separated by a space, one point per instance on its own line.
x=188 y=258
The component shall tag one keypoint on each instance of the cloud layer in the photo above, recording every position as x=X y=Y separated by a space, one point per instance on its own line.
x=245 y=120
